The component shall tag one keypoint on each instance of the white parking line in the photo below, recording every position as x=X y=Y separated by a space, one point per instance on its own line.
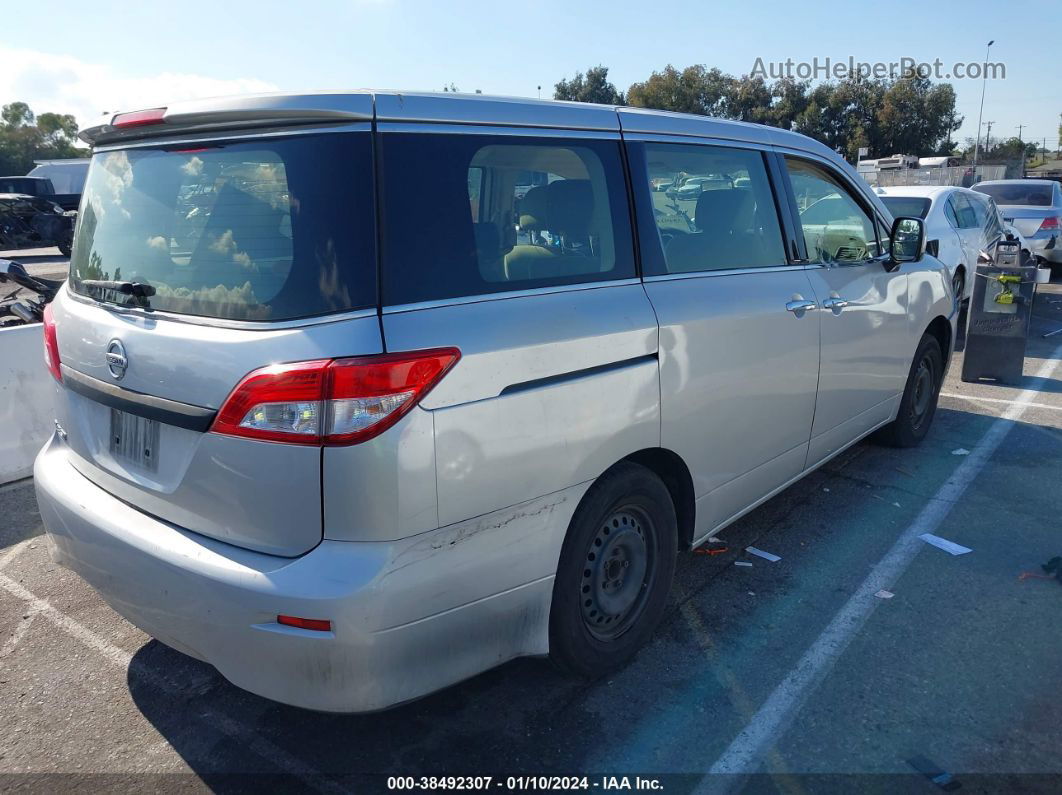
x=976 y=399
x=767 y=726
x=20 y=631
x=244 y=736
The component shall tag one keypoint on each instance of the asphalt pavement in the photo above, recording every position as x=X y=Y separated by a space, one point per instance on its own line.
x=788 y=676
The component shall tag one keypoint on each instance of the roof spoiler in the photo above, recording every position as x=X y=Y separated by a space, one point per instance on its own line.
x=257 y=110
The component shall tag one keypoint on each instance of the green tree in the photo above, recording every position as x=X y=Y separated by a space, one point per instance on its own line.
x=17 y=114
x=25 y=137
x=696 y=89
x=594 y=86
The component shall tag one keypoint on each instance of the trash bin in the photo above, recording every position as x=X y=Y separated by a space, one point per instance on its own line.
x=1000 y=312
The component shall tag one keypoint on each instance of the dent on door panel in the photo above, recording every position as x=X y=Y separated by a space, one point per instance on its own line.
x=587 y=394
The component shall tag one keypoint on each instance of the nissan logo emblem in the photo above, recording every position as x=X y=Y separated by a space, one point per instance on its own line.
x=117 y=362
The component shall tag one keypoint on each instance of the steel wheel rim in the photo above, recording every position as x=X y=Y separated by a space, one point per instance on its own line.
x=924 y=386
x=617 y=573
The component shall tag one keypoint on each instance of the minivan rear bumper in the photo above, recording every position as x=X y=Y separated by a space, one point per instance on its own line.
x=395 y=634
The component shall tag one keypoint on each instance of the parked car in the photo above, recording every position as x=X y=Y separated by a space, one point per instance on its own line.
x=692 y=187
x=32 y=222
x=39 y=187
x=67 y=178
x=960 y=225
x=1034 y=207
x=349 y=475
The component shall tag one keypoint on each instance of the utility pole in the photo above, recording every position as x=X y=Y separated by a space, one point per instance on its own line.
x=1021 y=151
x=980 y=113
x=988 y=135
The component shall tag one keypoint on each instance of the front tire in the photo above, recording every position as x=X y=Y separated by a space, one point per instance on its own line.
x=919 y=401
x=615 y=571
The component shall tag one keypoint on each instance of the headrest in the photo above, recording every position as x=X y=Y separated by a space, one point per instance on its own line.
x=721 y=211
x=533 y=209
x=571 y=206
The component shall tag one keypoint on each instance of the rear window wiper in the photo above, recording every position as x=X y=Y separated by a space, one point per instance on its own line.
x=135 y=289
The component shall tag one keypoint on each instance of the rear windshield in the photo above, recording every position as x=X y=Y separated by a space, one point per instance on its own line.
x=909 y=206
x=264 y=229
x=65 y=177
x=1018 y=193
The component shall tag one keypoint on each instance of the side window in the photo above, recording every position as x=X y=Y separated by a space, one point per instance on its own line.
x=950 y=214
x=836 y=227
x=964 y=211
x=468 y=214
x=987 y=215
x=713 y=208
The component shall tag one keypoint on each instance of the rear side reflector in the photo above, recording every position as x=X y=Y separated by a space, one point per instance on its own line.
x=332 y=402
x=1048 y=224
x=316 y=624
x=139 y=118
x=51 y=344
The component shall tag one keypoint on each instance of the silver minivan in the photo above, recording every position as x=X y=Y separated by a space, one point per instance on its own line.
x=360 y=394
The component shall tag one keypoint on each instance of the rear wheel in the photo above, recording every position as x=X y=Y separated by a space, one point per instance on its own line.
x=958 y=286
x=919 y=401
x=615 y=571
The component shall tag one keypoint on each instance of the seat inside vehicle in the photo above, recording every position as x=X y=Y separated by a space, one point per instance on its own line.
x=725 y=235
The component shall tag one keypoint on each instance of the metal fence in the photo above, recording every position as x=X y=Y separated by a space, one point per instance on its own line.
x=963 y=176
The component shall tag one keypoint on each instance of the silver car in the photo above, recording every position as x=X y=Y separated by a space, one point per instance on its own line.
x=1034 y=208
x=351 y=443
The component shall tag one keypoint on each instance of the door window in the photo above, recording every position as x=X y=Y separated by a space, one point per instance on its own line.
x=713 y=208
x=950 y=214
x=466 y=215
x=836 y=227
x=964 y=211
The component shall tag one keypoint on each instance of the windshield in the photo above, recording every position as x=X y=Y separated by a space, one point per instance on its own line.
x=1027 y=193
x=266 y=229
x=910 y=206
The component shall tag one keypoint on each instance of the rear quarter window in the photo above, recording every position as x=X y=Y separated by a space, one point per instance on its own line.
x=465 y=214
x=263 y=229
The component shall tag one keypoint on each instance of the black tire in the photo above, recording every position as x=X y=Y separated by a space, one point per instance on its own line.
x=615 y=571
x=919 y=401
x=958 y=286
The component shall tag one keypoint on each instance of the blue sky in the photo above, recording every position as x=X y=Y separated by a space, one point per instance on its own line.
x=119 y=55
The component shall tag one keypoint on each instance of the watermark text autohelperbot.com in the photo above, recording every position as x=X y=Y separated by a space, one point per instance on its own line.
x=843 y=68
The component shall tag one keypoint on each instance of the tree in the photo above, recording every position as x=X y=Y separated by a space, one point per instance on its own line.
x=17 y=114
x=25 y=137
x=696 y=89
x=591 y=87
x=908 y=115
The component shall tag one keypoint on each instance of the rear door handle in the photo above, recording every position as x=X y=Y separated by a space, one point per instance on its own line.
x=800 y=305
x=834 y=303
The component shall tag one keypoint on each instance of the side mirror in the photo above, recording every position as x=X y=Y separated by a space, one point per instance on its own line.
x=907 y=242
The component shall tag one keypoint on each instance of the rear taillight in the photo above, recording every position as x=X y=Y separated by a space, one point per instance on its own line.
x=51 y=345
x=139 y=118
x=331 y=401
x=315 y=624
x=1049 y=224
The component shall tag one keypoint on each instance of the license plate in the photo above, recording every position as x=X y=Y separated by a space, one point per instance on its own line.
x=135 y=439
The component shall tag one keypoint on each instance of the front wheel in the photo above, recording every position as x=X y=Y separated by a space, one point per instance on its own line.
x=615 y=571
x=919 y=401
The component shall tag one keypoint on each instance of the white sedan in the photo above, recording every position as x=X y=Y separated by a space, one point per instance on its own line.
x=960 y=224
